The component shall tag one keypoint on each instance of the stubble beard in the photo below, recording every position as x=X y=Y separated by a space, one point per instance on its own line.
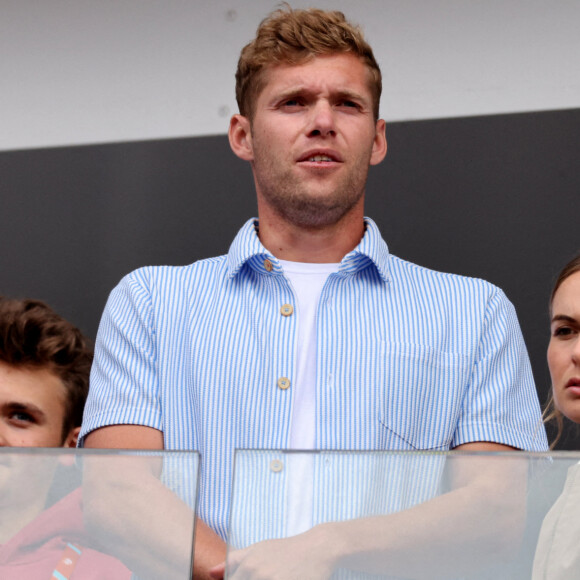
x=300 y=204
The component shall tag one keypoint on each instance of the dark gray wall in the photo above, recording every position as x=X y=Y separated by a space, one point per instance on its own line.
x=496 y=197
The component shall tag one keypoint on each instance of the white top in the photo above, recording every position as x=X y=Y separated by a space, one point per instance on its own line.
x=307 y=281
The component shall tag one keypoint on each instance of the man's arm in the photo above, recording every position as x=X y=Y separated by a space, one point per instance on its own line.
x=125 y=437
x=483 y=446
x=145 y=494
x=452 y=534
x=501 y=402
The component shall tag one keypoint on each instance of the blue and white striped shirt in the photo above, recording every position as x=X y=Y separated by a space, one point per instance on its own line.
x=407 y=358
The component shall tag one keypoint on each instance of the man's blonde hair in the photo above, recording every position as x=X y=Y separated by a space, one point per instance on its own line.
x=290 y=36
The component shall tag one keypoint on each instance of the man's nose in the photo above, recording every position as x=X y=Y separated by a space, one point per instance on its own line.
x=3 y=439
x=322 y=121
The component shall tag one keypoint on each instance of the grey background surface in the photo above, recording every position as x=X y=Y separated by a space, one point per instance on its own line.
x=496 y=197
x=101 y=71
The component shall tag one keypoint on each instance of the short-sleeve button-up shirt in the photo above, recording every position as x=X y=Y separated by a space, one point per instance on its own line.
x=407 y=358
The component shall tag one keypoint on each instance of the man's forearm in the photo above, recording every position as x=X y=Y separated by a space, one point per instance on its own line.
x=209 y=550
x=158 y=523
x=479 y=520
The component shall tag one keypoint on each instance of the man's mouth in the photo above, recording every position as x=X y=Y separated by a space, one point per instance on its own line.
x=320 y=156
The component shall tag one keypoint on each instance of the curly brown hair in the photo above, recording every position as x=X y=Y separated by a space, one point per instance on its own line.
x=290 y=36
x=34 y=336
x=551 y=412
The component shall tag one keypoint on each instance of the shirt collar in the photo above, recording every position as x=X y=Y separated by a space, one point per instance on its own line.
x=247 y=248
x=372 y=249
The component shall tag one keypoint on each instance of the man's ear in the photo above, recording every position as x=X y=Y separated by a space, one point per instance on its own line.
x=68 y=459
x=380 y=143
x=72 y=437
x=240 y=136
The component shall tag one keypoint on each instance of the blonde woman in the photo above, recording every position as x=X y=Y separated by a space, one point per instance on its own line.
x=558 y=551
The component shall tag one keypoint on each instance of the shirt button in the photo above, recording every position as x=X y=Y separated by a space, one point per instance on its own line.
x=287 y=310
x=276 y=465
x=283 y=383
x=268 y=265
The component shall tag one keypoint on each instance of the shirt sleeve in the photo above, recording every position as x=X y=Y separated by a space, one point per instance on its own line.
x=124 y=384
x=501 y=403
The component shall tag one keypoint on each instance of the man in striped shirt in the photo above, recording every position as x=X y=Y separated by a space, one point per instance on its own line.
x=308 y=334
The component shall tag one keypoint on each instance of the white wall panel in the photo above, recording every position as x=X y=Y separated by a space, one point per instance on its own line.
x=93 y=71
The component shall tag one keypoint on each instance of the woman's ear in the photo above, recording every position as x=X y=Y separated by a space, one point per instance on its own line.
x=240 y=136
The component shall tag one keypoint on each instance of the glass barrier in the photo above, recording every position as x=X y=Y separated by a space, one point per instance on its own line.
x=331 y=514
x=91 y=514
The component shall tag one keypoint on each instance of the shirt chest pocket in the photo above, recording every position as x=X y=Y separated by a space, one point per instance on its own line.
x=425 y=388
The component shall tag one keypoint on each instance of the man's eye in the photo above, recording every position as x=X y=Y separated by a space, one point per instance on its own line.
x=21 y=417
x=349 y=104
x=292 y=103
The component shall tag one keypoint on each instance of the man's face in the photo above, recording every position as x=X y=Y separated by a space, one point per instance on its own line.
x=32 y=413
x=32 y=408
x=312 y=139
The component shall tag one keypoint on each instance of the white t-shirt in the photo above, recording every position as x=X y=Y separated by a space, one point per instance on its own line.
x=307 y=281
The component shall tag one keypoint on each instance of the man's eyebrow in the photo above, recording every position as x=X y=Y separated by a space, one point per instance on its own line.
x=294 y=92
x=17 y=406
x=346 y=94
x=305 y=92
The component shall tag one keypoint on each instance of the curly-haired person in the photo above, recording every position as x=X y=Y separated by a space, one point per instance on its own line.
x=45 y=363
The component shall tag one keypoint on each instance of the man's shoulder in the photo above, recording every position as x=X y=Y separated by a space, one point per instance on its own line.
x=213 y=270
x=166 y=274
x=163 y=287
x=403 y=272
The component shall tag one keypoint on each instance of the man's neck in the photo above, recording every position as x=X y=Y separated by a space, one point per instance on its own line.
x=323 y=245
